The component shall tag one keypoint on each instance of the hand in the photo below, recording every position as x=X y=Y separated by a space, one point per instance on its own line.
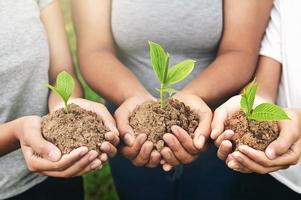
x=137 y=149
x=45 y=158
x=108 y=147
x=220 y=136
x=181 y=147
x=280 y=154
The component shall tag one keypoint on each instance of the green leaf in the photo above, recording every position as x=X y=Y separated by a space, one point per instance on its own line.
x=180 y=71
x=170 y=91
x=248 y=97
x=158 y=59
x=65 y=85
x=268 y=112
x=165 y=73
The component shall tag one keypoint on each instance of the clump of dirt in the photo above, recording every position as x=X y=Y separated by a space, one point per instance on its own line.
x=256 y=134
x=149 y=118
x=74 y=129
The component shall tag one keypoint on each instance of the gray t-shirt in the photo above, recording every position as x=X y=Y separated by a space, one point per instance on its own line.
x=187 y=29
x=24 y=63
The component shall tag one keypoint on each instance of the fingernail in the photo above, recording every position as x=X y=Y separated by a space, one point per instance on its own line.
x=167 y=139
x=214 y=134
x=270 y=153
x=93 y=156
x=130 y=139
x=201 y=141
x=95 y=165
x=232 y=165
x=142 y=140
x=54 y=155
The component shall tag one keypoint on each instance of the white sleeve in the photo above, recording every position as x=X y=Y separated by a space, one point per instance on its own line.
x=43 y=3
x=271 y=44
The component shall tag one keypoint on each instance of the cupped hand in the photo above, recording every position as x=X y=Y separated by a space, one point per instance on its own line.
x=181 y=147
x=108 y=148
x=137 y=149
x=221 y=136
x=45 y=158
x=284 y=152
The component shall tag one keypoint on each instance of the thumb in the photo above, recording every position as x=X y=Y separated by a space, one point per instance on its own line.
x=125 y=130
x=33 y=139
x=217 y=124
x=287 y=137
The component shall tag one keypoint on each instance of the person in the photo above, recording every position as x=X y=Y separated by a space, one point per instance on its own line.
x=278 y=78
x=222 y=36
x=33 y=50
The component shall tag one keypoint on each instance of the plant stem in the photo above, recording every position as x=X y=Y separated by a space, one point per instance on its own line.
x=162 y=96
x=66 y=107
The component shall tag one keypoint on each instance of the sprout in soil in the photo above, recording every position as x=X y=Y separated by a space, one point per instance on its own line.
x=262 y=112
x=168 y=76
x=64 y=87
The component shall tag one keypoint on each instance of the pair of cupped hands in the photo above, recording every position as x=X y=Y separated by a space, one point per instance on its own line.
x=44 y=158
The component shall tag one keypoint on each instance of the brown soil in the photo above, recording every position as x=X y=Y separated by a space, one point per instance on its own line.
x=150 y=119
x=74 y=129
x=256 y=134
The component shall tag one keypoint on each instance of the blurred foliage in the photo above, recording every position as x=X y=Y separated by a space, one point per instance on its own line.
x=98 y=185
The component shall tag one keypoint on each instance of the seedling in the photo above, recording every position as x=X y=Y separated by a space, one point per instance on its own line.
x=262 y=112
x=64 y=87
x=168 y=75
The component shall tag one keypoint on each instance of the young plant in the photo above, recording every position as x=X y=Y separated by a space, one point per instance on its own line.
x=168 y=76
x=262 y=112
x=64 y=87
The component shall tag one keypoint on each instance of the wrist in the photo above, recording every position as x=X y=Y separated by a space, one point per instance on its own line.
x=142 y=94
x=17 y=127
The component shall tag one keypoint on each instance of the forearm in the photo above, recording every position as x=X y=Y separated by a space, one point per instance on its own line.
x=8 y=139
x=108 y=76
x=268 y=77
x=224 y=77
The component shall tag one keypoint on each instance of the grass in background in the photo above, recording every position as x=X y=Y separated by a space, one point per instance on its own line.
x=98 y=185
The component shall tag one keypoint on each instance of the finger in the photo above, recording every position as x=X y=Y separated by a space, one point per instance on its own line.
x=226 y=135
x=185 y=139
x=169 y=157
x=144 y=155
x=203 y=130
x=290 y=158
x=236 y=166
x=155 y=158
x=103 y=157
x=224 y=150
x=132 y=152
x=251 y=165
x=83 y=166
x=219 y=117
x=167 y=167
x=107 y=118
x=126 y=131
x=177 y=149
x=33 y=139
x=112 y=138
x=36 y=163
x=108 y=148
x=88 y=170
x=281 y=145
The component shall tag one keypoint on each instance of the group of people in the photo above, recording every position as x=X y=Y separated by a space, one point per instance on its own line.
x=232 y=41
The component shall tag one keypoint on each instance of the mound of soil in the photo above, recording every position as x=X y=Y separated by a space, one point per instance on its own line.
x=74 y=129
x=256 y=134
x=149 y=118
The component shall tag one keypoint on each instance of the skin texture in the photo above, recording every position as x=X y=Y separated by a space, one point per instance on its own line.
x=280 y=154
x=244 y=25
x=25 y=132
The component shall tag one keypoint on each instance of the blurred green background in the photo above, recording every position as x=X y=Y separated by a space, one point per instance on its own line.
x=98 y=185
